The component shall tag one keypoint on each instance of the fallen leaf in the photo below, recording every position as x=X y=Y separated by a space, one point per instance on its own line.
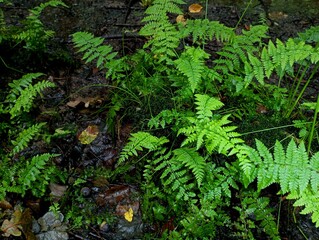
x=129 y=215
x=57 y=191
x=74 y=103
x=181 y=19
x=275 y=16
x=26 y=223
x=89 y=134
x=10 y=228
x=195 y=8
x=4 y=204
x=13 y=226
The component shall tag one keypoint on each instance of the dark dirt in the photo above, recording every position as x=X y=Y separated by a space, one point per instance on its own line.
x=118 y=23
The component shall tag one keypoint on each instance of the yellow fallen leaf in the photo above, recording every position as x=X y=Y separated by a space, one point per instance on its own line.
x=89 y=134
x=129 y=215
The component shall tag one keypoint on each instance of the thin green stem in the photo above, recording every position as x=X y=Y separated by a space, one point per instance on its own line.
x=270 y=129
x=302 y=91
x=244 y=13
x=313 y=126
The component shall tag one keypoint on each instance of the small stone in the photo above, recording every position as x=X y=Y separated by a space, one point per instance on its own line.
x=52 y=235
x=85 y=191
x=104 y=227
x=50 y=221
x=35 y=227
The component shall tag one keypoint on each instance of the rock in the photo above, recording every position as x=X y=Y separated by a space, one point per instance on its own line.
x=51 y=227
x=130 y=230
x=52 y=235
x=50 y=221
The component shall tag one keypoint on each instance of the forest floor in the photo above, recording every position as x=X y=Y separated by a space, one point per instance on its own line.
x=82 y=93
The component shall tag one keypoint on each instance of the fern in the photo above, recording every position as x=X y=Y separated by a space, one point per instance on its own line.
x=93 y=48
x=311 y=35
x=235 y=55
x=191 y=63
x=21 y=142
x=165 y=37
x=203 y=30
x=193 y=161
x=26 y=99
x=32 y=175
x=280 y=57
x=34 y=34
x=139 y=141
x=291 y=169
x=254 y=209
x=212 y=132
x=23 y=92
x=35 y=171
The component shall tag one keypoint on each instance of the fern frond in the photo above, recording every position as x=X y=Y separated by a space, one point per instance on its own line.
x=165 y=37
x=33 y=171
x=137 y=142
x=26 y=99
x=292 y=170
x=311 y=35
x=205 y=105
x=192 y=160
x=18 y=85
x=203 y=30
x=21 y=142
x=93 y=48
x=191 y=64
x=34 y=34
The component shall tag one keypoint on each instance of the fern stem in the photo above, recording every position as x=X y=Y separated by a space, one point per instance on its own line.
x=312 y=130
x=270 y=129
x=11 y=68
x=279 y=210
x=302 y=91
x=206 y=11
x=244 y=13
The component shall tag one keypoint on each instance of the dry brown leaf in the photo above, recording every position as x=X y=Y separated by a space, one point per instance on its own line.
x=4 y=204
x=74 y=103
x=13 y=226
x=57 y=191
x=26 y=223
x=10 y=228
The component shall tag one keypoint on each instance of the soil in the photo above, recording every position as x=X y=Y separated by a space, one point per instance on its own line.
x=77 y=104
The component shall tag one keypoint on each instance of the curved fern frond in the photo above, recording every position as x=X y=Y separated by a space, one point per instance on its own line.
x=192 y=160
x=26 y=99
x=164 y=36
x=21 y=142
x=292 y=170
x=34 y=33
x=34 y=171
x=93 y=48
x=138 y=142
x=192 y=64
x=18 y=85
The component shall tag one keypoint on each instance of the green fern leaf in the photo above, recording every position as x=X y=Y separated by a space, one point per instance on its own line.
x=191 y=64
x=25 y=137
x=192 y=160
x=206 y=104
x=26 y=99
x=93 y=49
x=137 y=142
x=257 y=68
